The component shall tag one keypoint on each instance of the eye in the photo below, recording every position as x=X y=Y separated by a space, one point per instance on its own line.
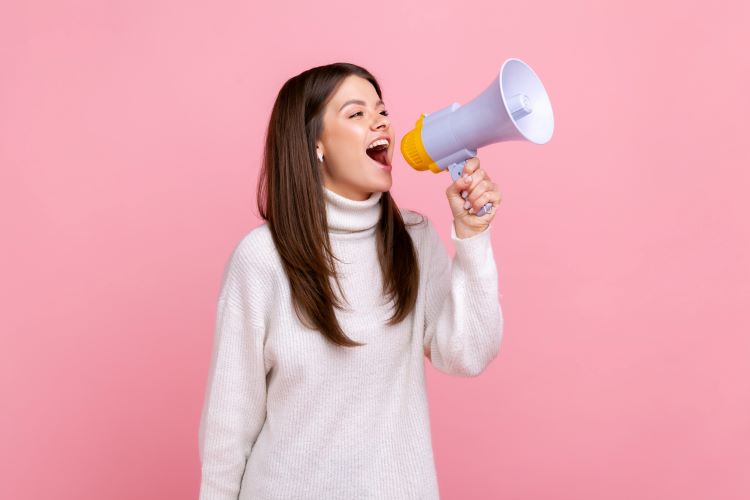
x=384 y=113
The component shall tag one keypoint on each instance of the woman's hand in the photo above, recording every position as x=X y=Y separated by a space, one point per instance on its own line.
x=466 y=198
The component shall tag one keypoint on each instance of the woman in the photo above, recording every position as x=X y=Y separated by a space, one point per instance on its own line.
x=316 y=387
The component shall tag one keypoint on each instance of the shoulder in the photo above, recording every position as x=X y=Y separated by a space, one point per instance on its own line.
x=255 y=250
x=249 y=282
x=420 y=228
x=249 y=276
x=414 y=221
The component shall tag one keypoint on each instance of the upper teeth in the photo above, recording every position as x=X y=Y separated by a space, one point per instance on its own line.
x=378 y=143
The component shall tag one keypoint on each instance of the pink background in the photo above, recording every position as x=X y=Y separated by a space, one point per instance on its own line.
x=130 y=140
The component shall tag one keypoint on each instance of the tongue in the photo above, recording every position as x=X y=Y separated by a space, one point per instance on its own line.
x=379 y=155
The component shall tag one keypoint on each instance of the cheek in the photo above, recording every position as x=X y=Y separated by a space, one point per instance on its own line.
x=350 y=138
x=348 y=155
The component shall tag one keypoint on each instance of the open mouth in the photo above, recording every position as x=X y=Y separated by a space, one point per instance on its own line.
x=379 y=154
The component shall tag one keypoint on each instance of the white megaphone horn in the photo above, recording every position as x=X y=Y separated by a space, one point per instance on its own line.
x=515 y=106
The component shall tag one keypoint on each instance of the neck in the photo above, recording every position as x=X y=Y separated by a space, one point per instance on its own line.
x=347 y=216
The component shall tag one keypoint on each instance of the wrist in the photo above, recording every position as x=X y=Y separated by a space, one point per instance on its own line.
x=463 y=232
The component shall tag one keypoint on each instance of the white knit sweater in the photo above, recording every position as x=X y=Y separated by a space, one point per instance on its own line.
x=288 y=415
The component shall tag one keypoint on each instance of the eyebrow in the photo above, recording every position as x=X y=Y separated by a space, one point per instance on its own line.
x=357 y=101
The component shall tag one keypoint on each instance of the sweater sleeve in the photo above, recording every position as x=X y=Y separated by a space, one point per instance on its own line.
x=234 y=408
x=463 y=316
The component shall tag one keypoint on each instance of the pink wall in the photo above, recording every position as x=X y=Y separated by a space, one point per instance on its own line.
x=130 y=139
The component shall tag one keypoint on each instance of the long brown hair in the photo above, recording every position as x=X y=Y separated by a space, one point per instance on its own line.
x=290 y=198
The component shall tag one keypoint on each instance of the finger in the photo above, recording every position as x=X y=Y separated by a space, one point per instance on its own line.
x=474 y=193
x=491 y=196
x=471 y=165
x=455 y=189
x=475 y=179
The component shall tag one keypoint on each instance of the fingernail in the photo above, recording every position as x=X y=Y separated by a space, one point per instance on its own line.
x=467 y=204
x=464 y=194
x=466 y=178
x=471 y=210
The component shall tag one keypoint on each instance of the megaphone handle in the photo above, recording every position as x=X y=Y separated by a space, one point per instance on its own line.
x=457 y=171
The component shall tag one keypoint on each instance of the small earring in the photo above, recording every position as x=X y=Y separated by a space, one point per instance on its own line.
x=320 y=156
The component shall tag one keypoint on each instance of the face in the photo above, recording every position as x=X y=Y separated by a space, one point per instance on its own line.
x=348 y=129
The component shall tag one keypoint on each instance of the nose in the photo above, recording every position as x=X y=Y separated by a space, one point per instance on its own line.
x=382 y=122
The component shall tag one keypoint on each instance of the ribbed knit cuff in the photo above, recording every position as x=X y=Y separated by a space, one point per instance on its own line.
x=474 y=253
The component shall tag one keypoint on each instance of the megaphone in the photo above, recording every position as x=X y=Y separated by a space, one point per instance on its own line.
x=514 y=106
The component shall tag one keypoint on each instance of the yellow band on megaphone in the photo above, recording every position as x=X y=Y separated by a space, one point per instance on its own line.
x=414 y=152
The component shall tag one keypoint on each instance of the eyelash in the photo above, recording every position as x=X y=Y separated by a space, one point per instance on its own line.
x=359 y=112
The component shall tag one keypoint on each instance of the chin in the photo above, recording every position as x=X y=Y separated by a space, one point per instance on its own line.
x=384 y=185
x=380 y=181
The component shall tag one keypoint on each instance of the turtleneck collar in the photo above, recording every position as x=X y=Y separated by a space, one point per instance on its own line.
x=346 y=216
